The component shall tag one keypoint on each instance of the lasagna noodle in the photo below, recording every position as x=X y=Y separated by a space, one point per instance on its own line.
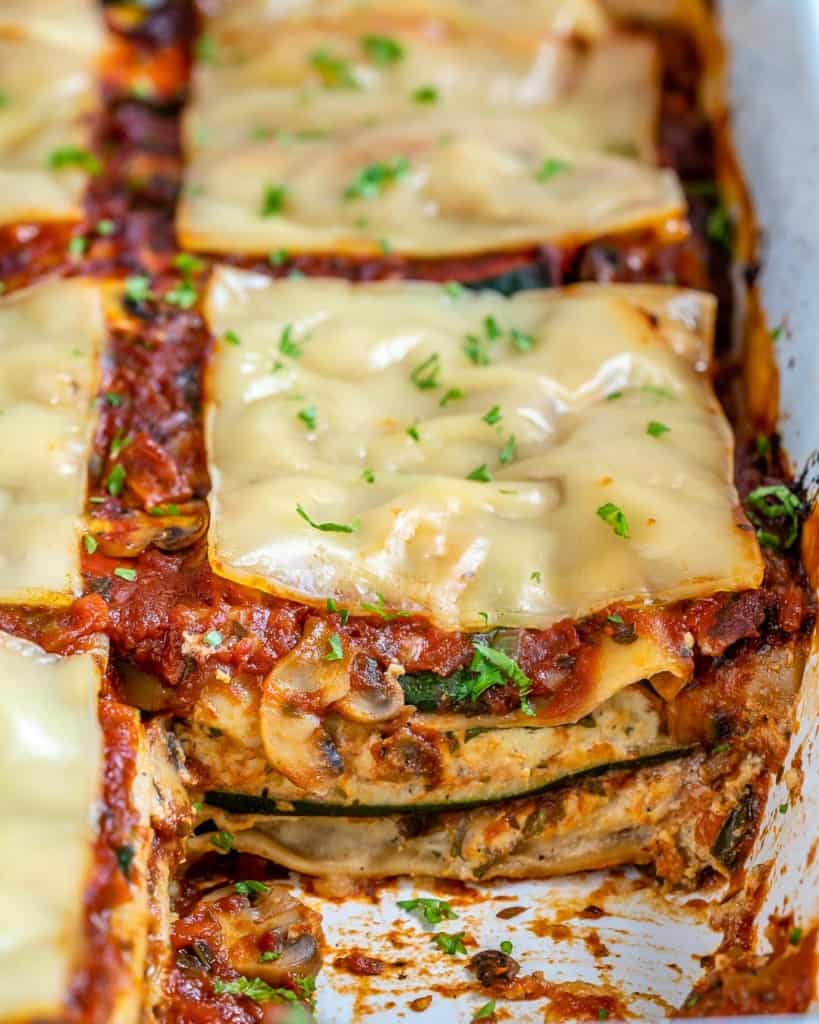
x=584 y=18
x=549 y=135
x=50 y=771
x=47 y=66
x=384 y=459
x=50 y=336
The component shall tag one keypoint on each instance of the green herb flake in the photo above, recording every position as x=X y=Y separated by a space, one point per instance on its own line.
x=182 y=295
x=492 y=328
x=481 y=474
x=269 y=956
x=615 y=620
x=89 y=543
x=73 y=156
x=213 y=638
x=433 y=911
x=615 y=517
x=425 y=376
x=119 y=442
x=795 y=936
x=551 y=168
x=426 y=94
x=506 y=947
x=113 y=399
x=412 y=431
x=382 y=50
x=719 y=227
x=493 y=416
x=476 y=350
x=613 y=396
x=188 y=263
x=231 y=338
x=492 y=667
x=205 y=49
x=450 y=944
x=335 y=72
x=308 y=416
x=602 y=1013
x=656 y=429
x=125 y=858
x=535 y=577
x=169 y=509
x=77 y=246
x=521 y=341
x=253 y=988
x=328 y=527
x=273 y=200
x=336 y=652
x=288 y=346
x=368 y=476
x=763 y=445
x=452 y=395
x=373 y=179
x=784 y=808
x=105 y=227
x=115 y=483
x=222 y=841
x=509 y=450
x=251 y=888
x=774 y=502
x=454 y=290
x=485 y=1011
x=138 y=288
x=379 y=610
x=307 y=987
x=129 y=575
x=278 y=258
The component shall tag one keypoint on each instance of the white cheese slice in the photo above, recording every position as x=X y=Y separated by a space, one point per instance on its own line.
x=50 y=771
x=322 y=404
x=47 y=96
x=303 y=140
x=50 y=337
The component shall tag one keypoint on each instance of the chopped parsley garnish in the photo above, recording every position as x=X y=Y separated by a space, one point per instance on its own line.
x=268 y=956
x=307 y=987
x=206 y=49
x=129 y=575
x=613 y=396
x=656 y=429
x=169 y=509
x=182 y=295
x=77 y=246
x=333 y=607
x=452 y=395
x=426 y=94
x=492 y=328
x=615 y=517
x=413 y=432
x=774 y=502
x=119 y=442
x=278 y=258
x=273 y=200
x=476 y=350
x=335 y=72
x=115 y=483
x=535 y=577
x=657 y=392
x=231 y=338
x=493 y=416
x=425 y=375
x=73 y=156
x=188 y=263
x=481 y=474
x=336 y=652
x=795 y=936
x=125 y=858
x=222 y=841
x=783 y=808
x=616 y=620
x=113 y=399
x=288 y=346
x=89 y=543
x=253 y=988
x=138 y=288
x=509 y=450
x=251 y=888
x=213 y=638
x=506 y=947
x=379 y=610
x=328 y=527
x=382 y=50
x=105 y=227
x=520 y=340
x=433 y=911
x=373 y=179
x=551 y=168
x=493 y=667
x=487 y=1010
x=368 y=476
x=308 y=416
x=451 y=944
x=719 y=227
x=776 y=332
x=602 y=1013
x=454 y=290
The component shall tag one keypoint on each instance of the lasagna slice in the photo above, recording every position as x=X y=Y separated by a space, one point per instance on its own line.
x=371 y=134
x=508 y=524
x=48 y=93
x=50 y=339
x=77 y=839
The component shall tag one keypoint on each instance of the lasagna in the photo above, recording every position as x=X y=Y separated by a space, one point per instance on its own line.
x=379 y=495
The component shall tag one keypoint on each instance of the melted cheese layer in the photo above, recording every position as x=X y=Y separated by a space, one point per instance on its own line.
x=47 y=64
x=371 y=406
x=50 y=768
x=518 y=141
x=50 y=337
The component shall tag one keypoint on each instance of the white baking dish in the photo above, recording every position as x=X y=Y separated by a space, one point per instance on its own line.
x=654 y=940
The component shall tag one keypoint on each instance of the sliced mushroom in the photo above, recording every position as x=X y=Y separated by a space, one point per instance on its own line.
x=375 y=696
x=130 y=534
x=294 y=696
